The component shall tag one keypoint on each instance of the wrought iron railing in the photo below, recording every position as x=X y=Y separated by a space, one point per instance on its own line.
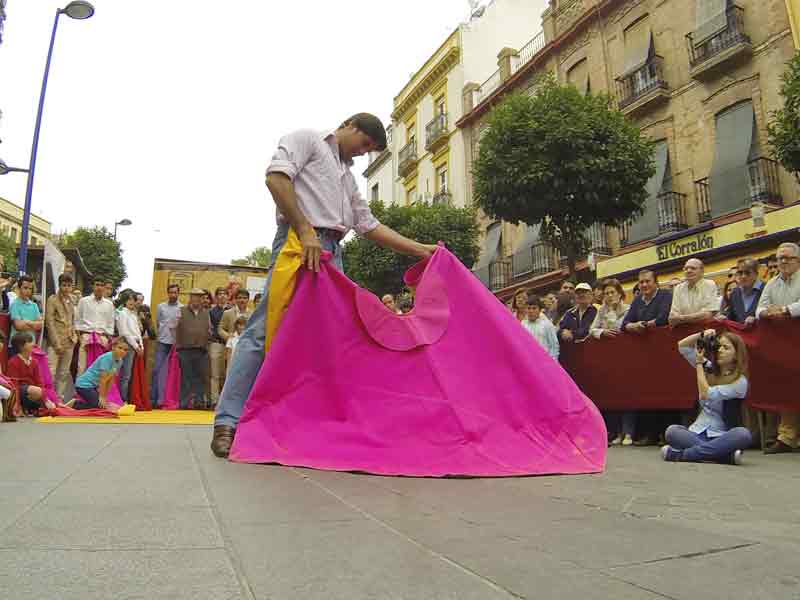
x=528 y=51
x=499 y=274
x=702 y=196
x=624 y=233
x=730 y=34
x=489 y=86
x=435 y=130
x=442 y=198
x=539 y=258
x=640 y=82
x=598 y=239
x=671 y=212
x=407 y=155
x=764 y=183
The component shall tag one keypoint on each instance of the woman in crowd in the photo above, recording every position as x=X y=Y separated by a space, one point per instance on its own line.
x=520 y=305
x=716 y=434
x=726 y=297
x=607 y=323
x=129 y=329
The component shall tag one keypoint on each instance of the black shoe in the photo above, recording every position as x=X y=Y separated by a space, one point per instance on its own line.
x=778 y=448
x=223 y=440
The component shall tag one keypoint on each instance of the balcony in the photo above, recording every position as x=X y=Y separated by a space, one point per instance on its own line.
x=496 y=275
x=436 y=132
x=489 y=86
x=763 y=186
x=671 y=212
x=407 y=159
x=643 y=87
x=539 y=259
x=442 y=198
x=598 y=240
x=728 y=44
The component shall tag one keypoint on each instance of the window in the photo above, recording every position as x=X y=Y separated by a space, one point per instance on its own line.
x=411 y=196
x=411 y=132
x=578 y=76
x=14 y=233
x=441 y=179
x=638 y=46
x=729 y=179
x=34 y=241
x=375 y=193
x=441 y=107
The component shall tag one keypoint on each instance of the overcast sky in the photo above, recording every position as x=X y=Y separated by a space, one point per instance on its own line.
x=166 y=113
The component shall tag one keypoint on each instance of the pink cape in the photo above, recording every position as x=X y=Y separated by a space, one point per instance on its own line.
x=172 y=395
x=456 y=387
x=47 y=377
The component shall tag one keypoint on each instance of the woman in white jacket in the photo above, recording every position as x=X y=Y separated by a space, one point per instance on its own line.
x=128 y=327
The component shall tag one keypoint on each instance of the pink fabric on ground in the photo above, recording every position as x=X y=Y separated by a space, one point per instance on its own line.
x=457 y=387
x=172 y=395
x=94 y=350
x=47 y=377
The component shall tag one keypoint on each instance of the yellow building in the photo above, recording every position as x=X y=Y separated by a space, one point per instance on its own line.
x=11 y=224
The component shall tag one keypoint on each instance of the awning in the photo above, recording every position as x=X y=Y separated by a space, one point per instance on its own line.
x=646 y=226
x=638 y=44
x=710 y=19
x=728 y=179
x=492 y=246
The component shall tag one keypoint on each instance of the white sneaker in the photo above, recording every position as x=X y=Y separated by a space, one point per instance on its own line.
x=737 y=457
x=628 y=441
x=616 y=441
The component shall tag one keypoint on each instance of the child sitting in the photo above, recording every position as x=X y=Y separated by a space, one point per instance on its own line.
x=93 y=385
x=230 y=346
x=25 y=371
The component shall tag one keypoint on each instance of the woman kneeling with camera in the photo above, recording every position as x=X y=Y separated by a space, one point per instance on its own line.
x=720 y=362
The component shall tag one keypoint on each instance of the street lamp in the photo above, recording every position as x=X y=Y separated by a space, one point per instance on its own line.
x=124 y=223
x=5 y=169
x=80 y=10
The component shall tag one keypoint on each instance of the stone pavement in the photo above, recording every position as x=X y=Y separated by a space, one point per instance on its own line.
x=122 y=512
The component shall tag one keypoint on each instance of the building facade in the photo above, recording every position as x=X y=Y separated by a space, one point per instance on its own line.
x=11 y=224
x=700 y=77
x=425 y=160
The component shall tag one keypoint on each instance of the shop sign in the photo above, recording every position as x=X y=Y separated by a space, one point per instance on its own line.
x=679 y=248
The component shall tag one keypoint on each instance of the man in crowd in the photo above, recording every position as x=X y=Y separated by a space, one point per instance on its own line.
x=316 y=195
x=550 y=302
x=781 y=300
x=772 y=266
x=216 y=349
x=744 y=298
x=576 y=322
x=227 y=325
x=650 y=307
x=61 y=336
x=166 y=320
x=95 y=314
x=109 y=290
x=25 y=314
x=388 y=302
x=567 y=287
x=191 y=339
x=540 y=327
x=695 y=300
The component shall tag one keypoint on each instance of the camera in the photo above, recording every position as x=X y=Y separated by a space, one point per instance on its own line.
x=709 y=344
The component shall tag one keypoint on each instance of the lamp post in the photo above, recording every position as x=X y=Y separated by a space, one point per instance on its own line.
x=5 y=169
x=80 y=10
x=124 y=223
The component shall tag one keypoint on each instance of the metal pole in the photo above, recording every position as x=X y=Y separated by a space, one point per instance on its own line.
x=26 y=218
x=115 y=231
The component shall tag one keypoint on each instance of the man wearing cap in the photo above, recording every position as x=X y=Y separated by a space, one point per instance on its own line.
x=577 y=321
x=317 y=197
x=191 y=338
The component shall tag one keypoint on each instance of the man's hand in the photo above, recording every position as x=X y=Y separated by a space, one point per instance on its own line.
x=675 y=321
x=774 y=312
x=566 y=335
x=651 y=324
x=102 y=402
x=612 y=333
x=637 y=327
x=749 y=321
x=720 y=317
x=312 y=249
x=426 y=250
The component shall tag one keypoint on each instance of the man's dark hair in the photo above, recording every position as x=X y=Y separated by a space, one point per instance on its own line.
x=220 y=289
x=652 y=274
x=370 y=125
x=535 y=301
x=244 y=293
x=98 y=281
x=23 y=279
x=19 y=340
x=173 y=285
x=65 y=278
x=772 y=258
x=748 y=264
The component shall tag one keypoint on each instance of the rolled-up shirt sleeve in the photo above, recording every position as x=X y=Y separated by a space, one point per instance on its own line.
x=293 y=152
x=363 y=219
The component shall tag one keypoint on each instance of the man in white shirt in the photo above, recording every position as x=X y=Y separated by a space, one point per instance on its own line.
x=696 y=299
x=781 y=300
x=95 y=314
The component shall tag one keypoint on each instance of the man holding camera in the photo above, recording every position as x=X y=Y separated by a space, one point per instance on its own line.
x=781 y=300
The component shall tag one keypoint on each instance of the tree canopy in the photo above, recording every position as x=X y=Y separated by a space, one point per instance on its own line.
x=260 y=257
x=381 y=270
x=784 y=128
x=564 y=161
x=101 y=253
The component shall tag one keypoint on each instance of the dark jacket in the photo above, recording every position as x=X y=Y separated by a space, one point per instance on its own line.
x=657 y=310
x=736 y=311
x=579 y=326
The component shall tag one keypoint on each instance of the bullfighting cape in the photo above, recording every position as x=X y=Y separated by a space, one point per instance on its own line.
x=455 y=387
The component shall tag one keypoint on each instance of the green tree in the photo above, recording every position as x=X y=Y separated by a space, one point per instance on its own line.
x=381 y=270
x=260 y=257
x=101 y=253
x=563 y=161
x=8 y=250
x=784 y=128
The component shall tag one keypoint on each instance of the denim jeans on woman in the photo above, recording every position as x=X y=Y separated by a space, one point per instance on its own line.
x=698 y=447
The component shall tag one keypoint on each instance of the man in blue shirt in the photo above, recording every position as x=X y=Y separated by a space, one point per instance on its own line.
x=93 y=385
x=650 y=308
x=166 y=322
x=25 y=314
x=744 y=299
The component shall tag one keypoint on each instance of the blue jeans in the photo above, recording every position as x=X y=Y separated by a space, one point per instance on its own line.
x=125 y=374
x=249 y=355
x=158 y=386
x=698 y=447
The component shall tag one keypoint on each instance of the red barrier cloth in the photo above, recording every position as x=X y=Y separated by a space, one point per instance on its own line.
x=646 y=372
x=5 y=328
x=66 y=411
x=139 y=390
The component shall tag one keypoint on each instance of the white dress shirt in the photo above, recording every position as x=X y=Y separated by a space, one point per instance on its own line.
x=703 y=297
x=94 y=315
x=128 y=327
x=781 y=292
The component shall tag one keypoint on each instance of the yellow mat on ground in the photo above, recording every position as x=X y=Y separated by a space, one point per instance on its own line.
x=153 y=417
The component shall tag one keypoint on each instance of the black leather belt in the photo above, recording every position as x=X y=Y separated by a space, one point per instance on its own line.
x=334 y=234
